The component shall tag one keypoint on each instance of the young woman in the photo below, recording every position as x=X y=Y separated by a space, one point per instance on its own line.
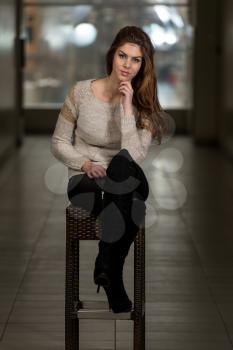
x=102 y=135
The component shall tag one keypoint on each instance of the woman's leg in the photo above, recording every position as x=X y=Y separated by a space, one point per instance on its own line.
x=125 y=181
x=125 y=184
x=125 y=190
x=85 y=193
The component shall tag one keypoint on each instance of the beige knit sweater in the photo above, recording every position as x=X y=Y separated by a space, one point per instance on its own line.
x=90 y=129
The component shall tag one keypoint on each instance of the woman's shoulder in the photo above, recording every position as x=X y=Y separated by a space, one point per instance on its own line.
x=81 y=87
x=82 y=84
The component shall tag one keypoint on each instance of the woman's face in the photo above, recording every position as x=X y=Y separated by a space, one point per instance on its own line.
x=127 y=58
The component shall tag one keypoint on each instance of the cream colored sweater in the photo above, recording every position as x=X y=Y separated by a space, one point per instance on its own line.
x=90 y=129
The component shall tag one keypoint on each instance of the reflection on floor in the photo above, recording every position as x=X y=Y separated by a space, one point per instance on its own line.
x=189 y=256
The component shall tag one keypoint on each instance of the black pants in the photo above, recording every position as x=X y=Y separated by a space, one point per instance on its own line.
x=118 y=198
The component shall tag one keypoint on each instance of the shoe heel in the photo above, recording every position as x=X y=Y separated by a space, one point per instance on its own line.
x=98 y=288
x=102 y=279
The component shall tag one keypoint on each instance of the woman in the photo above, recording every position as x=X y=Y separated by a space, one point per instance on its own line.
x=102 y=135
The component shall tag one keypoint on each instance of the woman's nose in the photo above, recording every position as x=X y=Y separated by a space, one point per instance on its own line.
x=127 y=64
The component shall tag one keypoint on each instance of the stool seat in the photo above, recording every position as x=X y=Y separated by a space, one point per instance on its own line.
x=80 y=225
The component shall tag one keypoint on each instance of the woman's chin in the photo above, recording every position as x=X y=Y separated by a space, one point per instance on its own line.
x=124 y=78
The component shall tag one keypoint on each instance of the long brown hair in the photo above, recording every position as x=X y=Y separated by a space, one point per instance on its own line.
x=144 y=84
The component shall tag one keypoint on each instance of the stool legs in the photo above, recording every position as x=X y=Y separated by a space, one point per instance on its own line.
x=139 y=291
x=71 y=290
x=76 y=230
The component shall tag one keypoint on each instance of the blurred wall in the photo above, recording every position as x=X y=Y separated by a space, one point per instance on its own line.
x=213 y=74
x=207 y=71
x=226 y=119
x=8 y=77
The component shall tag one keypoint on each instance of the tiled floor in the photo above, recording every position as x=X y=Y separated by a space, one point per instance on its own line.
x=189 y=253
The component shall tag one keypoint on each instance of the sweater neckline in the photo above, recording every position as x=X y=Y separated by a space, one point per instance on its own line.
x=111 y=104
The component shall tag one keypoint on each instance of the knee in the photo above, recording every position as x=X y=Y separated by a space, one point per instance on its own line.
x=122 y=158
x=121 y=166
x=125 y=153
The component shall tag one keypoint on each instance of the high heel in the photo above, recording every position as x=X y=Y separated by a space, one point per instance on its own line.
x=98 y=288
x=102 y=266
x=101 y=279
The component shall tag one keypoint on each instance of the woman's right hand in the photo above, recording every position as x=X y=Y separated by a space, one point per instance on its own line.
x=93 y=170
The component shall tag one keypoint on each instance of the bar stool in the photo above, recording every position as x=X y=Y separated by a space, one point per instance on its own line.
x=82 y=226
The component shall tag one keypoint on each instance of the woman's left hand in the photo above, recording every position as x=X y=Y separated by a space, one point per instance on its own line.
x=127 y=96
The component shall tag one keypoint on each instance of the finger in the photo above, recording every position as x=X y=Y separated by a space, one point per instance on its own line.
x=126 y=83
x=125 y=89
x=101 y=170
x=103 y=173
x=96 y=172
x=89 y=174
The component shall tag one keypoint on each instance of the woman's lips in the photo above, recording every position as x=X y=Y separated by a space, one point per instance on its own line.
x=124 y=73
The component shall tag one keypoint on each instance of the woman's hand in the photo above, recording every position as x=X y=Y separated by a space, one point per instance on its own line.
x=127 y=96
x=93 y=170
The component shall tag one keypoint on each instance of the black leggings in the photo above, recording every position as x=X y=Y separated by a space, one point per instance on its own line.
x=118 y=198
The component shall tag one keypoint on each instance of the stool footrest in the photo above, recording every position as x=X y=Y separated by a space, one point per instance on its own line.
x=98 y=309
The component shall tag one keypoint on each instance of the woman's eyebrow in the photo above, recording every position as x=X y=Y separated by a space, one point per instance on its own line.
x=127 y=55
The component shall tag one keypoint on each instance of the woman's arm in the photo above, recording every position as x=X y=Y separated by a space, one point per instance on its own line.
x=136 y=141
x=61 y=143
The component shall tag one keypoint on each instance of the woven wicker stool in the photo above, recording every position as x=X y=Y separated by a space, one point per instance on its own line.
x=80 y=226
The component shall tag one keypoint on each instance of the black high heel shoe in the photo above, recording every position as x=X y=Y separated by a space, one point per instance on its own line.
x=116 y=304
x=113 y=286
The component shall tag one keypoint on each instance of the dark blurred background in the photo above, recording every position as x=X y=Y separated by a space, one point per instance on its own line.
x=45 y=46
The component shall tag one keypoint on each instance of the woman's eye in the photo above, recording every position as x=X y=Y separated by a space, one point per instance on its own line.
x=135 y=59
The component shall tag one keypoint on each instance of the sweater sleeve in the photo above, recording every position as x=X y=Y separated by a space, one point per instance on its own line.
x=62 y=139
x=136 y=141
